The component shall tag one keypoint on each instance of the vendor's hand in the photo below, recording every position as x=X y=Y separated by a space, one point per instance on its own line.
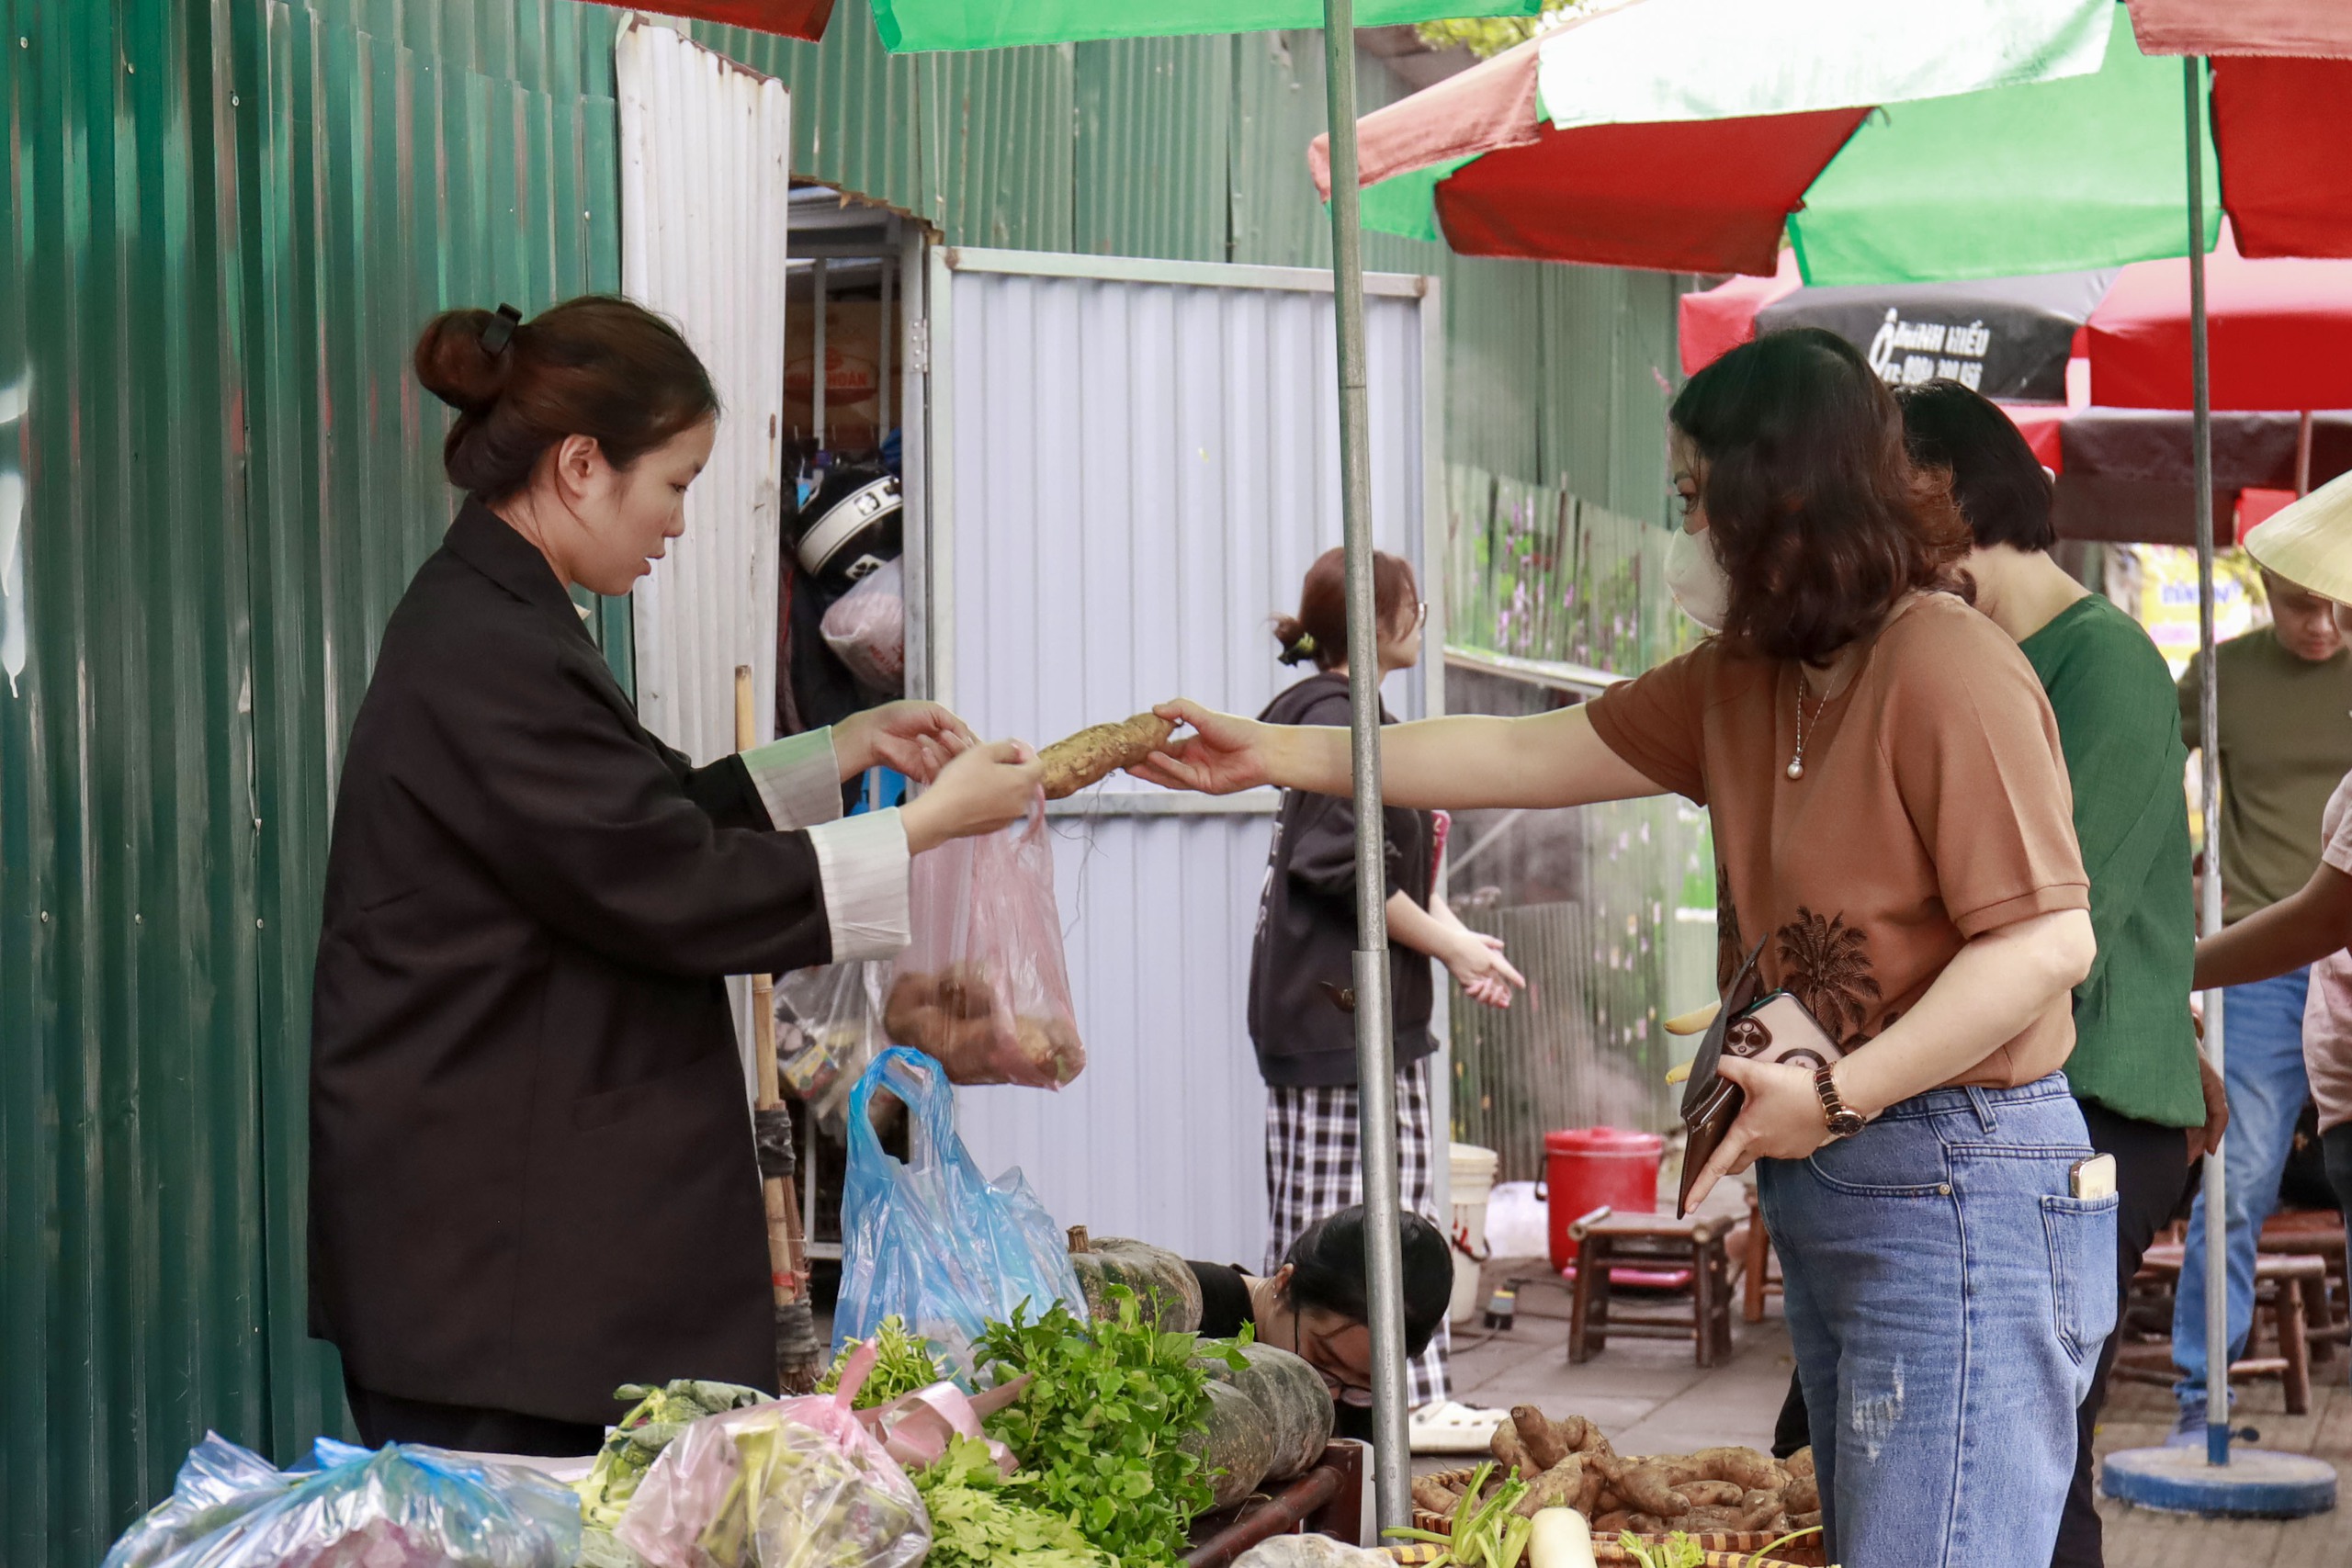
x=1222 y=755
x=1783 y=1120
x=1479 y=968
x=916 y=738
x=983 y=789
x=2204 y=1140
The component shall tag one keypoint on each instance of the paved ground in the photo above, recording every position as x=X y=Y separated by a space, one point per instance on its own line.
x=1651 y=1397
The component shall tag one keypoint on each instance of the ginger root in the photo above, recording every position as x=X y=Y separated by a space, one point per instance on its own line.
x=1096 y=752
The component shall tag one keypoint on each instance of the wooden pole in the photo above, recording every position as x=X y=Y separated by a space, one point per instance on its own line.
x=787 y=1256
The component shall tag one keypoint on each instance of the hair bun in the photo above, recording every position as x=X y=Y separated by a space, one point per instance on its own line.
x=1298 y=643
x=452 y=364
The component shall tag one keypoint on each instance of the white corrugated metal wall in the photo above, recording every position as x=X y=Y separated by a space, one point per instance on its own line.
x=1135 y=464
x=705 y=178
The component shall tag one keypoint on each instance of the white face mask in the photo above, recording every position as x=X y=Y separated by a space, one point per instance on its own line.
x=1697 y=580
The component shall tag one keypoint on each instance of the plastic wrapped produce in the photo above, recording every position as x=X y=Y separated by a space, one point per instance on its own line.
x=399 y=1506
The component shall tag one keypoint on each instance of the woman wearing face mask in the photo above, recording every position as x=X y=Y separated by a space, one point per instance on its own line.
x=1891 y=817
x=1302 y=962
x=532 y=1177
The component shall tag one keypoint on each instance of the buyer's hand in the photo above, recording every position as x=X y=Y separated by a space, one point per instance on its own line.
x=1478 y=966
x=916 y=738
x=1223 y=754
x=1783 y=1120
x=981 y=790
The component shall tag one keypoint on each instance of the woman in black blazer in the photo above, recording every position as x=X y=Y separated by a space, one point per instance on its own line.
x=532 y=1177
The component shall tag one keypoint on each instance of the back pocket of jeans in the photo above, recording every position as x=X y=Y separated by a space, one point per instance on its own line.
x=2081 y=1232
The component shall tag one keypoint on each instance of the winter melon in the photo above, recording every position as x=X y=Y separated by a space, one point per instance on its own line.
x=1236 y=1447
x=1292 y=1397
x=1165 y=1286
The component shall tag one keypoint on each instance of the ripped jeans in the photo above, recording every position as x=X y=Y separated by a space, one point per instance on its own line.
x=1947 y=1296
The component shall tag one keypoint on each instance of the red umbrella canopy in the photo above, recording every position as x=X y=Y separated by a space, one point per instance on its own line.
x=786 y=19
x=2280 y=332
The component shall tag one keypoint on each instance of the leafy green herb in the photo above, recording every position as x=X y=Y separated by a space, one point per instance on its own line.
x=1101 y=1431
x=658 y=1416
x=1677 y=1551
x=902 y=1363
x=1487 y=1532
x=975 y=1525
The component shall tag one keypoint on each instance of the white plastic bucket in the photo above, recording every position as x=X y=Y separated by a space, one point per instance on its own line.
x=1473 y=1178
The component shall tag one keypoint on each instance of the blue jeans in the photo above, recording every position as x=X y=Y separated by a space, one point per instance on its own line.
x=2262 y=1067
x=1947 y=1295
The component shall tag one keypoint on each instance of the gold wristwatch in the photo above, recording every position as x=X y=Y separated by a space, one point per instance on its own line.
x=1844 y=1121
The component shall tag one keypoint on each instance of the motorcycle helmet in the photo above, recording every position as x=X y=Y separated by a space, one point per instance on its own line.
x=850 y=527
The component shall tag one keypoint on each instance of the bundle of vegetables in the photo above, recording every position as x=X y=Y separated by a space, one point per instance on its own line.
x=1571 y=1464
x=976 y=1524
x=655 y=1420
x=1101 y=1430
x=902 y=1364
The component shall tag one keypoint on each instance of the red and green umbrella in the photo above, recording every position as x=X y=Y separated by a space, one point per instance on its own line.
x=2060 y=149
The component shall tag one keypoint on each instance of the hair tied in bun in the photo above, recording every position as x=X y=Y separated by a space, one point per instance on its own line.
x=501 y=330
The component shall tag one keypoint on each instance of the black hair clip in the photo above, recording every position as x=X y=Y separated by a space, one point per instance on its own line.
x=501 y=330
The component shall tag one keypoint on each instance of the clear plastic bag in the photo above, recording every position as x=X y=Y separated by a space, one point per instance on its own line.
x=928 y=1240
x=867 y=629
x=793 y=1483
x=399 y=1506
x=984 y=987
x=219 y=1483
x=828 y=1029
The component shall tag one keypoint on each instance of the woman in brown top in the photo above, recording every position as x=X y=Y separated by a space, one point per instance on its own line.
x=1894 y=824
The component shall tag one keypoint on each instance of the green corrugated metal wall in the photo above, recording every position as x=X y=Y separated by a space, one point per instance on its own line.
x=224 y=221
x=223 y=224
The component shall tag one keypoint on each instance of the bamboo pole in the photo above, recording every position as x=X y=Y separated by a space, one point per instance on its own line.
x=787 y=1255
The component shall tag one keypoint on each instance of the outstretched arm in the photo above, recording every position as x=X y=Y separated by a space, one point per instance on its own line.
x=1553 y=759
x=2302 y=928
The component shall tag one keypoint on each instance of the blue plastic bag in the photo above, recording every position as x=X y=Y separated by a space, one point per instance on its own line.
x=928 y=1240
x=398 y=1506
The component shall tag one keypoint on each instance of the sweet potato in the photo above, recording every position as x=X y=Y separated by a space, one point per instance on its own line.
x=1096 y=752
x=1712 y=1493
x=1538 y=1436
x=1508 y=1451
x=1748 y=1468
x=1609 y=1523
x=1558 y=1487
x=1805 y=1521
x=1596 y=1487
x=1648 y=1485
x=1799 y=1463
x=1760 y=1511
x=1576 y=1434
x=1430 y=1493
x=1644 y=1524
x=1802 y=1495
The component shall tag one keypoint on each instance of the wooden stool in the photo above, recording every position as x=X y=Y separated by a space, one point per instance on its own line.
x=1606 y=1239
x=1759 y=1267
x=2288 y=1284
x=2317 y=1233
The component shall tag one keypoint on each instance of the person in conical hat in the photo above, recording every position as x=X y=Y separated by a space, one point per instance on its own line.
x=2310 y=544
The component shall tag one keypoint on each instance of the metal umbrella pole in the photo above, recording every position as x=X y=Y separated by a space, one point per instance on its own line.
x=1375 y=1048
x=2208 y=722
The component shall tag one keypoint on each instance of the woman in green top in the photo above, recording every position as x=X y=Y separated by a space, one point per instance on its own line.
x=2145 y=1091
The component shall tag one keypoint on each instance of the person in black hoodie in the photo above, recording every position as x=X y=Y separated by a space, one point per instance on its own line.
x=1302 y=959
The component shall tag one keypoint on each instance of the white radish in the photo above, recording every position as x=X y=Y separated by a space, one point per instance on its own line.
x=1561 y=1538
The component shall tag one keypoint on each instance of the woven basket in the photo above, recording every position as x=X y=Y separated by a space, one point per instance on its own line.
x=1725 y=1549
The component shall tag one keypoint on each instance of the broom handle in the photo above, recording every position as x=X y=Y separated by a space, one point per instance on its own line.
x=788 y=1265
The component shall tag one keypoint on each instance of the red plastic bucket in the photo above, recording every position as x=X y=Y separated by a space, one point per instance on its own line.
x=1589 y=1166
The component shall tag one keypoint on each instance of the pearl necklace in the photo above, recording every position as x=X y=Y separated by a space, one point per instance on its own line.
x=1796 y=764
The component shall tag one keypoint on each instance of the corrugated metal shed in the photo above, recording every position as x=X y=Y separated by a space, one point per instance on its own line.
x=1144 y=462
x=706 y=150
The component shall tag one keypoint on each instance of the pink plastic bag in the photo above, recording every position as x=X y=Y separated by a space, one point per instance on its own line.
x=984 y=989
x=794 y=1484
x=867 y=627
